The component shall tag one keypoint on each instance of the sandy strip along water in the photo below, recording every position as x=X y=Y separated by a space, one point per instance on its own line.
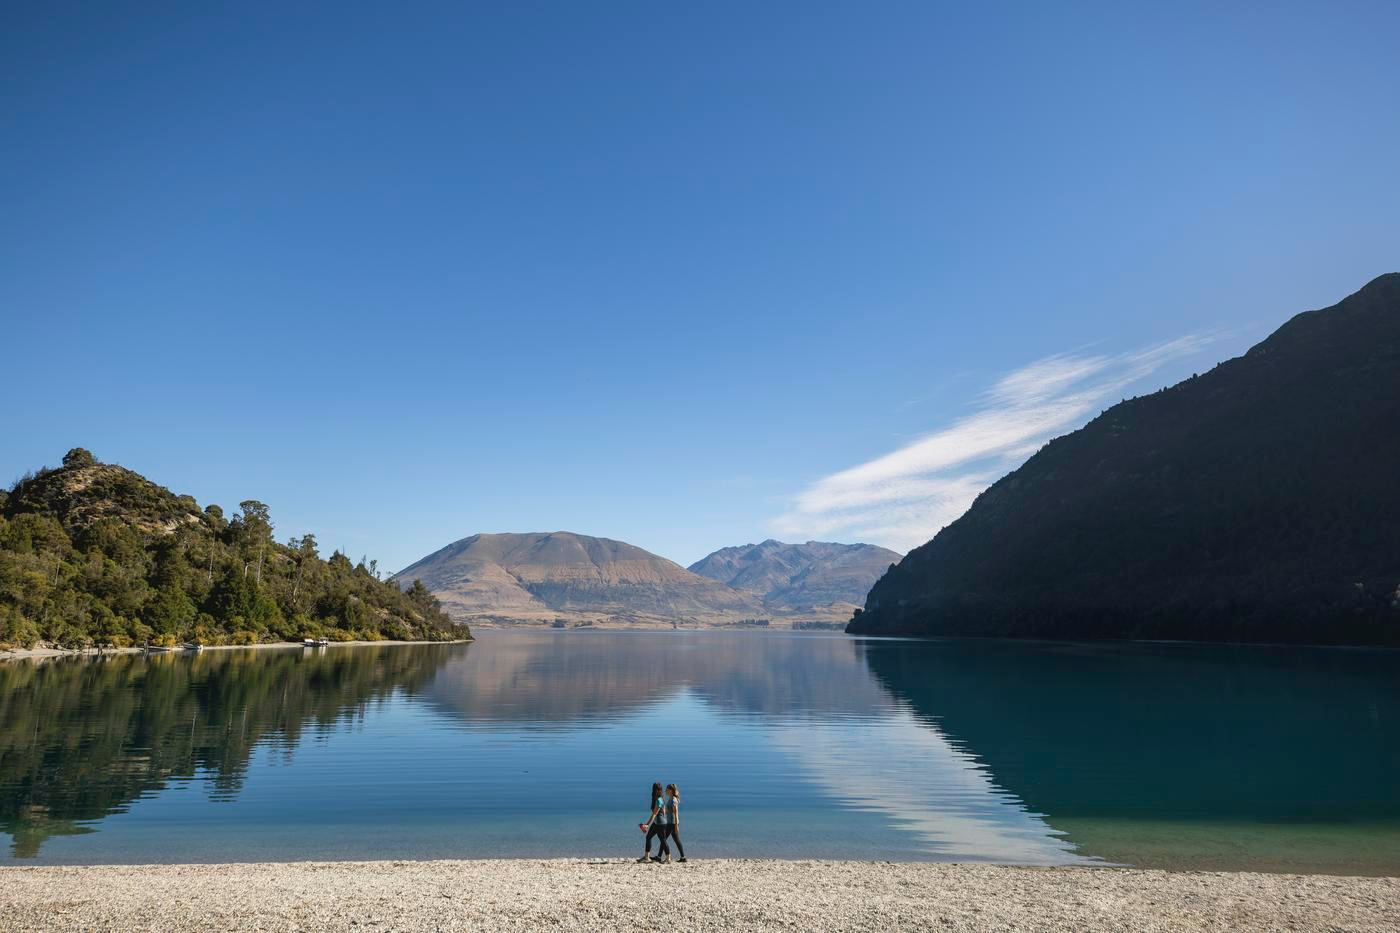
x=610 y=894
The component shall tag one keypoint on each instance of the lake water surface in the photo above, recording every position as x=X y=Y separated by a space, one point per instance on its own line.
x=545 y=744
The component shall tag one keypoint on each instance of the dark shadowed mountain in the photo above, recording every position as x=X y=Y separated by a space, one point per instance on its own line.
x=816 y=579
x=1256 y=502
x=542 y=577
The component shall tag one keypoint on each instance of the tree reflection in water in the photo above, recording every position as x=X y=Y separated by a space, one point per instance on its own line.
x=80 y=738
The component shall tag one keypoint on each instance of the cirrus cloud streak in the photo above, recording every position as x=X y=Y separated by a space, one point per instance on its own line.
x=901 y=499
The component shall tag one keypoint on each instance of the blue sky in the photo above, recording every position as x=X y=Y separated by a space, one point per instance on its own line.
x=684 y=276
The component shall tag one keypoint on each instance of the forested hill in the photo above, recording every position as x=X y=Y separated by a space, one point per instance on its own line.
x=95 y=554
x=1257 y=502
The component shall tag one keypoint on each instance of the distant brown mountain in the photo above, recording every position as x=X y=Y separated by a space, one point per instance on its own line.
x=818 y=579
x=540 y=577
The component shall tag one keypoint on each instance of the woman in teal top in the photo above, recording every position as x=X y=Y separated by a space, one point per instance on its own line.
x=658 y=825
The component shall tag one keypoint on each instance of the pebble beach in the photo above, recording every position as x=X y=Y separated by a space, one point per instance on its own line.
x=739 y=894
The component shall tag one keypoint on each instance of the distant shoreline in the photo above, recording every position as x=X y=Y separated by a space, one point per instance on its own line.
x=705 y=894
x=780 y=625
x=18 y=654
x=477 y=625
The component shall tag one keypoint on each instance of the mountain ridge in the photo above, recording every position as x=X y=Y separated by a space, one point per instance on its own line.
x=818 y=579
x=1255 y=502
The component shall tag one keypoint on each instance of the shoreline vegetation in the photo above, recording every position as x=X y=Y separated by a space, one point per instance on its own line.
x=750 y=894
x=94 y=555
x=53 y=651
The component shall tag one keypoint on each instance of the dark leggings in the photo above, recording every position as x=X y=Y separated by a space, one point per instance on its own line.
x=660 y=831
x=675 y=833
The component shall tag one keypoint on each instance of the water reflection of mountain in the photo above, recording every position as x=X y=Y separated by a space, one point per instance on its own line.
x=81 y=738
x=525 y=680
x=1164 y=732
x=834 y=731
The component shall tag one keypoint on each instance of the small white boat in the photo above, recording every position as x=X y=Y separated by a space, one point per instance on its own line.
x=314 y=642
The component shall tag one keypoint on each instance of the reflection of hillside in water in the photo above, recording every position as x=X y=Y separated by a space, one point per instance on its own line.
x=1164 y=732
x=525 y=680
x=81 y=738
x=1174 y=755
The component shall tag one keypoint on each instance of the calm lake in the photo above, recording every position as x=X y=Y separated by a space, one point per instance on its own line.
x=545 y=744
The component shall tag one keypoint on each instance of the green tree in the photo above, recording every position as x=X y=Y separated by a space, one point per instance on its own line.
x=170 y=612
x=79 y=457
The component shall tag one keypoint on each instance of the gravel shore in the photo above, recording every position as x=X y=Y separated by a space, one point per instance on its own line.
x=739 y=894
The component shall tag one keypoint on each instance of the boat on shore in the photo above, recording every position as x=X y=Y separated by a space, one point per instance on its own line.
x=314 y=642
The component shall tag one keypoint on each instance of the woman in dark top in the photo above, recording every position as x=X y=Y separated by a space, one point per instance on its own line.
x=657 y=825
x=673 y=810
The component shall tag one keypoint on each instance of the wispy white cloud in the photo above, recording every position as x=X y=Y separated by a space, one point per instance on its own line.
x=902 y=498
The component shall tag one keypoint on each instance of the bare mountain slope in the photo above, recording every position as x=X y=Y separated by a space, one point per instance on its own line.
x=543 y=576
x=817 y=579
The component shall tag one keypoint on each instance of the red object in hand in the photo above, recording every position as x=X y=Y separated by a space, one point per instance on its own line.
x=642 y=827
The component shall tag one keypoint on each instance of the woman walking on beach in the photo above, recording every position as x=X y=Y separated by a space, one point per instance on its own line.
x=673 y=806
x=658 y=825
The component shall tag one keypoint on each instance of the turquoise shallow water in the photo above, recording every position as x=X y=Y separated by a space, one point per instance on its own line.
x=543 y=743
